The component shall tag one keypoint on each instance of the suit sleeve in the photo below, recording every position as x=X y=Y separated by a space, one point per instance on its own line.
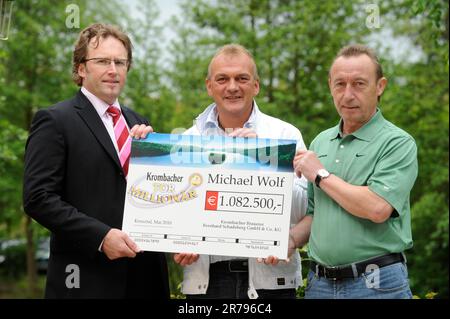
x=133 y=118
x=43 y=191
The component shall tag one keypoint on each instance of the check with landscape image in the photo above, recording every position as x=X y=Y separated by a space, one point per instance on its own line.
x=211 y=195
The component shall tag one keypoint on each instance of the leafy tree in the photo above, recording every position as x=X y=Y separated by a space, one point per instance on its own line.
x=147 y=90
x=417 y=100
x=12 y=139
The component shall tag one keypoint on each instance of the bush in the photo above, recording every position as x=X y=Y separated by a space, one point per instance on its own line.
x=14 y=259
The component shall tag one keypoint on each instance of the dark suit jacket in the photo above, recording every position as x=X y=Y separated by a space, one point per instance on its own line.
x=74 y=186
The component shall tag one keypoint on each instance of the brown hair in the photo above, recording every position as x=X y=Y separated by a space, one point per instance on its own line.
x=357 y=50
x=96 y=31
x=234 y=49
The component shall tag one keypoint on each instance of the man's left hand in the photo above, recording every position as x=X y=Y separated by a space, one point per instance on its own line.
x=307 y=164
x=272 y=260
x=140 y=131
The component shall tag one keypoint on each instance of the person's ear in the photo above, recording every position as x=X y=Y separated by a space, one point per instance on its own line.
x=82 y=70
x=208 y=84
x=381 y=85
x=256 y=88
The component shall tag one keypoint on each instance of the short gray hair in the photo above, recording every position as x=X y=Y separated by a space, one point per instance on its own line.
x=357 y=50
x=234 y=49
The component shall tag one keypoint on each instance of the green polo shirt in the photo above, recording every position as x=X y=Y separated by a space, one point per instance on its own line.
x=378 y=155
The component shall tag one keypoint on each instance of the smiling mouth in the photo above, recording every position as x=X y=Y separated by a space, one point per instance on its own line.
x=111 y=82
x=233 y=98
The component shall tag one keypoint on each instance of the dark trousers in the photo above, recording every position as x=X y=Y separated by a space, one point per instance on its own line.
x=142 y=286
x=226 y=283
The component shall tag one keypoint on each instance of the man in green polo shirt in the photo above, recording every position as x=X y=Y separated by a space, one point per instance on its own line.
x=360 y=175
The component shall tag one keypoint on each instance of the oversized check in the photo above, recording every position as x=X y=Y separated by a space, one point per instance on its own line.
x=210 y=195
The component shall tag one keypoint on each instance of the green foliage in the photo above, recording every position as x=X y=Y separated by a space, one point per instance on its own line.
x=175 y=278
x=147 y=92
x=417 y=100
x=428 y=260
x=12 y=141
x=17 y=288
x=14 y=265
x=37 y=46
x=305 y=269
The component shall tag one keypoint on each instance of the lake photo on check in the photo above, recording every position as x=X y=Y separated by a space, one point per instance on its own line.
x=220 y=151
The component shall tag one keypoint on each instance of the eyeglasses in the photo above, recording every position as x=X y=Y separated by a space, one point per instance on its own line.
x=106 y=62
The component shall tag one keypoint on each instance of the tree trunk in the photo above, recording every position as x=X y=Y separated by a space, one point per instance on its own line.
x=269 y=61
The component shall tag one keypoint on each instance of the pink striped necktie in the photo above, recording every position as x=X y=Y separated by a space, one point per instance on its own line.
x=123 y=138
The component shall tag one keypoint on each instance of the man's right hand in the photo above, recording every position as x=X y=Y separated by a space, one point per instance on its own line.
x=117 y=244
x=185 y=259
x=140 y=131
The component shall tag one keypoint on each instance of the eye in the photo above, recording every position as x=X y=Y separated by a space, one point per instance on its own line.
x=339 y=84
x=221 y=80
x=104 y=62
x=120 y=63
x=243 y=79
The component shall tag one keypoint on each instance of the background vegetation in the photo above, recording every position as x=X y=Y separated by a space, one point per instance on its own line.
x=293 y=42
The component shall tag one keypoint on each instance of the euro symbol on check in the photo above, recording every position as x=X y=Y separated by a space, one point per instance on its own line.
x=212 y=200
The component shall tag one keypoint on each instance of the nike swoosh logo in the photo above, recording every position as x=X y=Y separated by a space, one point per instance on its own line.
x=359 y=155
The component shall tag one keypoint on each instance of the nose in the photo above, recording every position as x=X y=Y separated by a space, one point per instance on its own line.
x=112 y=67
x=348 y=93
x=232 y=85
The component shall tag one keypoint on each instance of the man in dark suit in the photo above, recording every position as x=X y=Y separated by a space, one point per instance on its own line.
x=76 y=163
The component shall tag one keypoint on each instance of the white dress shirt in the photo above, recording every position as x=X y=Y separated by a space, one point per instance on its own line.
x=101 y=106
x=261 y=276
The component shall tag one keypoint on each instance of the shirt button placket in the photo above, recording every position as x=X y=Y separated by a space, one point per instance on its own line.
x=338 y=158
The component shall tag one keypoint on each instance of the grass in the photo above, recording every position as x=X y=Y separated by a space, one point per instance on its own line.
x=18 y=288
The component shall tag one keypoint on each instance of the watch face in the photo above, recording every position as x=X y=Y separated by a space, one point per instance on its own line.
x=323 y=173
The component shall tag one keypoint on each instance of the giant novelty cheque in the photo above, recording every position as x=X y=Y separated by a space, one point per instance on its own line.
x=211 y=195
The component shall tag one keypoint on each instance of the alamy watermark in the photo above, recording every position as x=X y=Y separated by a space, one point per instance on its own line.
x=6 y=10
x=373 y=278
x=73 y=17
x=373 y=19
x=73 y=279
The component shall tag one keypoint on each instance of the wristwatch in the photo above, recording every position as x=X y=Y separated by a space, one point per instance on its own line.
x=321 y=174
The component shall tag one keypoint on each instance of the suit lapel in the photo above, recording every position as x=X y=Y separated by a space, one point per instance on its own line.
x=90 y=116
x=129 y=117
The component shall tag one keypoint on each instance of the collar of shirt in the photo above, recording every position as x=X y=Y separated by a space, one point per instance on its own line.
x=99 y=105
x=209 y=119
x=366 y=132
